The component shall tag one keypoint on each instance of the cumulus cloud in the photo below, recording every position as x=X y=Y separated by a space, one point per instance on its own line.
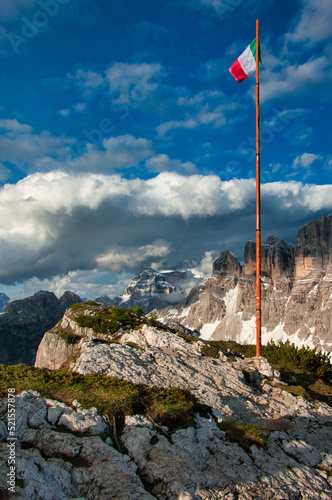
x=208 y=107
x=24 y=148
x=55 y=223
x=97 y=151
x=305 y=160
x=14 y=126
x=89 y=81
x=296 y=78
x=122 y=258
x=314 y=23
x=119 y=152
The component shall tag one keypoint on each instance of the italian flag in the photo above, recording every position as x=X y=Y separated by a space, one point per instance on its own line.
x=245 y=65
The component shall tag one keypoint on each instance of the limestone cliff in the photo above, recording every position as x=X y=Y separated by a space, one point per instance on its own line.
x=296 y=292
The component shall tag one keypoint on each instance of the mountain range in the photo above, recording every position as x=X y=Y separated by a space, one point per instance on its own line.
x=296 y=293
x=296 y=298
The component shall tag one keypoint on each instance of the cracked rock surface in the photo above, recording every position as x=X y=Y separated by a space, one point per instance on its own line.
x=196 y=463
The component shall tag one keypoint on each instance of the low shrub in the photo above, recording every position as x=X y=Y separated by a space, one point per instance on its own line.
x=287 y=356
x=111 y=396
x=69 y=337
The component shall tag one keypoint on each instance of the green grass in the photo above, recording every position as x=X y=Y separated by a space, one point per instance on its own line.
x=243 y=434
x=174 y=407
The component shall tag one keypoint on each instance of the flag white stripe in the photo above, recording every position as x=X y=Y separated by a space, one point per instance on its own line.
x=247 y=61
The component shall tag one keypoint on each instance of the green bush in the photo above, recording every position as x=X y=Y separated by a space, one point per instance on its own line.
x=287 y=356
x=210 y=351
x=69 y=338
x=152 y=319
x=100 y=323
x=138 y=311
x=111 y=396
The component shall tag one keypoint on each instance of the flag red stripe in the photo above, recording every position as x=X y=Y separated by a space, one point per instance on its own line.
x=237 y=72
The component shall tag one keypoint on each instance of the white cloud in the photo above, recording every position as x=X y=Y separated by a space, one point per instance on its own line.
x=19 y=145
x=122 y=258
x=87 y=284
x=171 y=125
x=208 y=107
x=162 y=163
x=14 y=126
x=119 y=152
x=305 y=160
x=314 y=24
x=80 y=106
x=64 y=112
x=55 y=223
x=296 y=78
x=89 y=81
x=133 y=82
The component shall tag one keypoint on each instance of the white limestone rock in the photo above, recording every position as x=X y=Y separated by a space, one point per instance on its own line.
x=83 y=421
x=303 y=453
x=55 y=410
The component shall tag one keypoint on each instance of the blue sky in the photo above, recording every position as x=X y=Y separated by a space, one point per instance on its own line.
x=125 y=140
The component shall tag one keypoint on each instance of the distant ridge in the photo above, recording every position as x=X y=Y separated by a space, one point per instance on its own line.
x=24 y=322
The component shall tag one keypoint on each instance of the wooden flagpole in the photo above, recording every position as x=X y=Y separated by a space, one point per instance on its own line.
x=258 y=207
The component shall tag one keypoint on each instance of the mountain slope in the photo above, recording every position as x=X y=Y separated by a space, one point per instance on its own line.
x=24 y=322
x=292 y=458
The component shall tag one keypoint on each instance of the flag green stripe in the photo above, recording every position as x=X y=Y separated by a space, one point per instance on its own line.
x=253 y=51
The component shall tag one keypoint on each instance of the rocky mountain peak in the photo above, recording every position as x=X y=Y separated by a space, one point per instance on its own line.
x=227 y=264
x=151 y=290
x=313 y=248
x=146 y=270
x=4 y=300
x=277 y=258
x=293 y=308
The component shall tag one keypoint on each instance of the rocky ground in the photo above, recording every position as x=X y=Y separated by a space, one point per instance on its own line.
x=67 y=452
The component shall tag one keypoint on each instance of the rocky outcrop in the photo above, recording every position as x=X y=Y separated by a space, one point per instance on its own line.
x=277 y=258
x=152 y=290
x=296 y=296
x=24 y=322
x=192 y=463
x=227 y=265
x=52 y=464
